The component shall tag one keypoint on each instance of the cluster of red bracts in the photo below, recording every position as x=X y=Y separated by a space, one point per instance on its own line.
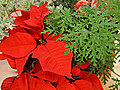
x=39 y=58
x=38 y=79
x=81 y=3
x=91 y=4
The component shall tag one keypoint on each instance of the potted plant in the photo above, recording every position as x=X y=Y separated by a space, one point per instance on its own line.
x=64 y=46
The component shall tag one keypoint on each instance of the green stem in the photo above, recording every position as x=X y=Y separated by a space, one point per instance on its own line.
x=16 y=13
x=15 y=9
x=6 y=10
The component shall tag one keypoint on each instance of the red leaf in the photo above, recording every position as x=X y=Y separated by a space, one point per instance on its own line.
x=20 y=62
x=20 y=83
x=44 y=10
x=65 y=86
x=7 y=83
x=52 y=77
x=83 y=85
x=52 y=58
x=15 y=30
x=84 y=65
x=18 y=45
x=20 y=19
x=38 y=12
x=46 y=75
x=32 y=20
x=91 y=78
x=2 y=57
x=11 y=60
x=37 y=67
x=49 y=76
x=35 y=34
x=36 y=17
x=76 y=71
x=39 y=84
x=20 y=22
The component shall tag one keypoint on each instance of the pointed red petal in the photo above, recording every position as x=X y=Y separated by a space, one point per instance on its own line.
x=10 y=60
x=37 y=67
x=65 y=86
x=52 y=58
x=36 y=17
x=38 y=12
x=52 y=77
x=83 y=85
x=20 y=83
x=34 y=33
x=20 y=62
x=15 y=30
x=18 y=45
x=44 y=10
x=91 y=78
x=40 y=84
x=76 y=71
x=20 y=19
x=7 y=83
x=46 y=75
x=84 y=65
x=2 y=57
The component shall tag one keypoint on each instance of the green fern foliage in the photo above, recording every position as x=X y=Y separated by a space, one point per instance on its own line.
x=89 y=35
x=116 y=85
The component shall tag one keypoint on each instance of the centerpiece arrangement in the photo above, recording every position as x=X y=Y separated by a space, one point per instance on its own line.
x=66 y=45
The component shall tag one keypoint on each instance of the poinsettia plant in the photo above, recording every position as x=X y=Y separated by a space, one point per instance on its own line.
x=60 y=47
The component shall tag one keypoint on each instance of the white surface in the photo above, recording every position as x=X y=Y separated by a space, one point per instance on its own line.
x=5 y=71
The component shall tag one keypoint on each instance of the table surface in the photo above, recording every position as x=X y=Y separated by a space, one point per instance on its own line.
x=6 y=71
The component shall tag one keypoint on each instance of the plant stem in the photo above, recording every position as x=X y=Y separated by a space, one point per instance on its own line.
x=16 y=13
x=6 y=10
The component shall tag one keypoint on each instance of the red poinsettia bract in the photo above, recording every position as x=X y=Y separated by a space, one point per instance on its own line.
x=79 y=4
x=39 y=58
x=51 y=55
x=45 y=80
x=91 y=80
x=6 y=84
x=21 y=43
x=32 y=20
